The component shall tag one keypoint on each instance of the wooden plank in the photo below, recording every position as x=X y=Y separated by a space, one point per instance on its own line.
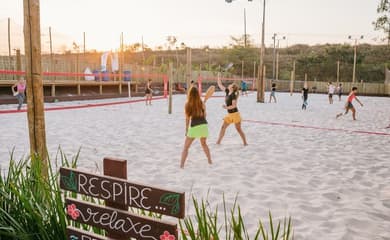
x=78 y=234
x=115 y=168
x=121 y=222
x=124 y=192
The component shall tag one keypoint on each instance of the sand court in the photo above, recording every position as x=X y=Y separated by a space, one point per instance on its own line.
x=331 y=175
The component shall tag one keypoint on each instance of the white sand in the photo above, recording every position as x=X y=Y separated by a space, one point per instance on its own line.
x=335 y=184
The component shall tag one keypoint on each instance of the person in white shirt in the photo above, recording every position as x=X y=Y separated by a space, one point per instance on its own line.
x=331 y=89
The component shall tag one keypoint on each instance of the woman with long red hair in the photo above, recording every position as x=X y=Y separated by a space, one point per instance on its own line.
x=196 y=125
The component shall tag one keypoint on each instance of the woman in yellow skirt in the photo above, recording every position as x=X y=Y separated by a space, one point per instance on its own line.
x=233 y=115
x=196 y=124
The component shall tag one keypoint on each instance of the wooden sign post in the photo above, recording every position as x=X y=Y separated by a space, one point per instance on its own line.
x=121 y=224
x=115 y=168
x=119 y=194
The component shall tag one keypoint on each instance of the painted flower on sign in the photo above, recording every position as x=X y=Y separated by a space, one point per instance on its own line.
x=72 y=211
x=167 y=236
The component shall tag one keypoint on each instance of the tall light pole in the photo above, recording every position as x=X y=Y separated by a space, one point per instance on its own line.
x=245 y=40
x=277 y=58
x=276 y=47
x=260 y=81
x=354 y=56
x=207 y=49
x=273 y=58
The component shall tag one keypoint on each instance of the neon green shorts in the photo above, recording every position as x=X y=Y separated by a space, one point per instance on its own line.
x=199 y=131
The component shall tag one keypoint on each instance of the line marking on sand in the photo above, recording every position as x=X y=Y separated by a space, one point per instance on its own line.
x=81 y=106
x=317 y=128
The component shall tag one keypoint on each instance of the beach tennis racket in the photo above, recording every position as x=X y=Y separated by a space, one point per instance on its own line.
x=210 y=91
x=227 y=67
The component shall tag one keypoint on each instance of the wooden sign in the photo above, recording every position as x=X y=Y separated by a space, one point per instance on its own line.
x=120 y=222
x=123 y=192
x=78 y=234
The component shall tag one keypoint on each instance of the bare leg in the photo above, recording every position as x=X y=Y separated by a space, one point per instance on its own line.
x=274 y=98
x=20 y=100
x=206 y=149
x=184 y=154
x=242 y=134
x=340 y=114
x=353 y=113
x=222 y=132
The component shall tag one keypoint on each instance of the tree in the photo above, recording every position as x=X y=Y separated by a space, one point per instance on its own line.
x=383 y=21
x=238 y=42
x=133 y=47
x=171 y=41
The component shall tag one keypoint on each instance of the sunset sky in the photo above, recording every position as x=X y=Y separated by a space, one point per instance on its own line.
x=196 y=23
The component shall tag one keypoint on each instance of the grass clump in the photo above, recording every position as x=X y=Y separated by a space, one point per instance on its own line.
x=31 y=205
x=204 y=225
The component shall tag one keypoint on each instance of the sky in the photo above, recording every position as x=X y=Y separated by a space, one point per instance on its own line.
x=196 y=23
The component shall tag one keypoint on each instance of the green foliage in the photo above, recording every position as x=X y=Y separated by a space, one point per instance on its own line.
x=275 y=234
x=32 y=208
x=240 y=41
x=383 y=21
x=206 y=226
x=31 y=205
x=320 y=62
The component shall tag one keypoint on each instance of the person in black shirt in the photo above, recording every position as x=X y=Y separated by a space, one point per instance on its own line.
x=273 y=91
x=305 y=94
x=148 y=92
x=233 y=115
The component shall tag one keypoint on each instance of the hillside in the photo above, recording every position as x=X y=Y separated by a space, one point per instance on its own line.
x=319 y=62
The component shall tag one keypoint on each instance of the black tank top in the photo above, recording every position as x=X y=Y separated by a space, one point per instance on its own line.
x=195 y=121
x=229 y=101
x=198 y=121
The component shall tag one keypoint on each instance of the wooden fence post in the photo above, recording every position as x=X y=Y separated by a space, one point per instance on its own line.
x=170 y=83
x=18 y=61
